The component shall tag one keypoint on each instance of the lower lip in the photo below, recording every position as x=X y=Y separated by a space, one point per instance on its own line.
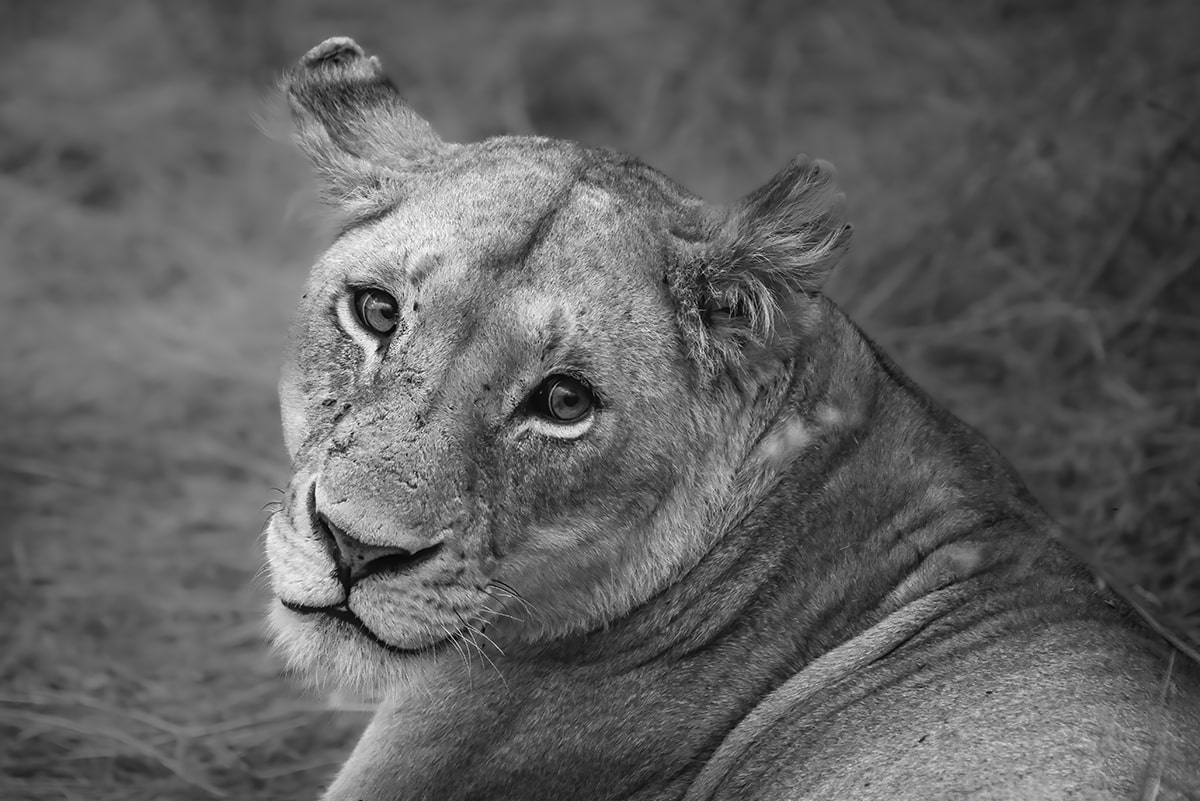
x=346 y=616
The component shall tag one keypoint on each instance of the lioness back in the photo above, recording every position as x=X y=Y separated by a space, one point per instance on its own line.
x=605 y=500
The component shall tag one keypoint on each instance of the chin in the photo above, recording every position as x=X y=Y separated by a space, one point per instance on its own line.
x=332 y=655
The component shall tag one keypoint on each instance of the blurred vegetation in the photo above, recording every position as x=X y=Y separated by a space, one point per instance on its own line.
x=1025 y=179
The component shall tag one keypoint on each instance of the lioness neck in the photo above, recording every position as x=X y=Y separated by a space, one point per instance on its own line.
x=861 y=496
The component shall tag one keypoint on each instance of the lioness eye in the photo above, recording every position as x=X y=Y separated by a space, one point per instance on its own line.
x=563 y=399
x=378 y=311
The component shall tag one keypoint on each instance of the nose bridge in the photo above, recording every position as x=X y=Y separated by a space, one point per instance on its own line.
x=416 y=375
x=389 y=476
x=392 y=472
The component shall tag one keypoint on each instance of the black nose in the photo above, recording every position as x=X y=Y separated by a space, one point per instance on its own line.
x=357 y=559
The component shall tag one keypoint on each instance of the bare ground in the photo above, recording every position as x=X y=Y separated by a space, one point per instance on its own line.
x=1025 y=179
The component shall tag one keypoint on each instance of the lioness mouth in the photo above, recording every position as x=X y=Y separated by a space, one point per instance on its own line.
x=343 y=613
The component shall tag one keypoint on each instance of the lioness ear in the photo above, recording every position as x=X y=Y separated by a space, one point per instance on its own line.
x=768 y=259
x=363 y=140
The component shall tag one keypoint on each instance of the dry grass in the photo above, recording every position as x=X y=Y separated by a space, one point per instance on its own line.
x=1025 y=178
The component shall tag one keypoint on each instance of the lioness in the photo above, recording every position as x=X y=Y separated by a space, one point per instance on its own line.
x=608 y=501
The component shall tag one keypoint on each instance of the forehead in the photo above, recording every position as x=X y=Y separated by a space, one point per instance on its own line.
x=548 y=218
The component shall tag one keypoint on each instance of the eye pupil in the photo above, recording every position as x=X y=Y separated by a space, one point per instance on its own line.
x=563 y=399
x=378 y=311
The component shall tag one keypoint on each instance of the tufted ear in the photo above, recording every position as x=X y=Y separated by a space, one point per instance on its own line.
x=765 y=261
x=364 y=142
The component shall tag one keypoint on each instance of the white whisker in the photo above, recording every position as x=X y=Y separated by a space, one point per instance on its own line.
x=473 y=631
x=487 y=610
x=508 y=591
x=482 y=634
x=458 y=643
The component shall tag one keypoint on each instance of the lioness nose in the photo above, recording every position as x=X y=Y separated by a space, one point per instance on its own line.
x=357 y=559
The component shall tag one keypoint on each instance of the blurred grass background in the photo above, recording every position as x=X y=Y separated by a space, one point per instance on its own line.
x=1024 y=176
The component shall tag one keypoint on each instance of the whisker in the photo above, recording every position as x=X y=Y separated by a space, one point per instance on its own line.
x=457 y=642
x=508 y=591
x=481 y=633
x=473 y=645
x=501 y=597
x=526 y=607
x=499 y=675
x=262 y=576
x=470 y=632
x=497 y=613
x=506 y=586
x=436 y=666
x=515 y=594
x=482 y=653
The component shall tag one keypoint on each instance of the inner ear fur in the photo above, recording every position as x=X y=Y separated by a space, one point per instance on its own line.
x=766 y=261
x=363 y=140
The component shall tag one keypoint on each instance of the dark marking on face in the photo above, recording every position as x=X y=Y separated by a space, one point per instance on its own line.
x=545 y=222
x=337 y=418
x=554 y=334
x=541 y=229
x=422 y=270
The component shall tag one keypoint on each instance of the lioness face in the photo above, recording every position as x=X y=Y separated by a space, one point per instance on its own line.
x=517 y=393
x=486 y=395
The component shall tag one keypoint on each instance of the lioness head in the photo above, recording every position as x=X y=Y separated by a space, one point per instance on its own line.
x=522 y=393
